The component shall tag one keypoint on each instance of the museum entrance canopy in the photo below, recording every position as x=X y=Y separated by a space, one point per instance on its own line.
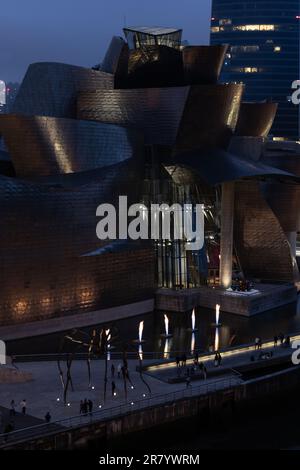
x=141 y=36
x=218 y=166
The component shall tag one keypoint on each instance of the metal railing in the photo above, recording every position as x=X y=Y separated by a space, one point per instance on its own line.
x=105 y=414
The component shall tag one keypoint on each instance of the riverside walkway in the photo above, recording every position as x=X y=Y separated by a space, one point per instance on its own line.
x=147 y=389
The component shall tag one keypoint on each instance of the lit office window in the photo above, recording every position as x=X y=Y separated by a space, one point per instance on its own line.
x=255 y=27
x=250 y=70
x=225 y=22
x=277 y=49
x=215 y=29
x=244 y=49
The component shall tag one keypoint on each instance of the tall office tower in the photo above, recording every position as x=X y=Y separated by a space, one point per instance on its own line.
x=264 y=53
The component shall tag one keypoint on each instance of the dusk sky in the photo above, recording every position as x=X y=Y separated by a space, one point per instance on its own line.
x=78 y=31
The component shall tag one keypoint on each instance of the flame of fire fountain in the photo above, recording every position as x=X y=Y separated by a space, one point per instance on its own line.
x=193 y=320
x=166 y=324
x=141 y=329
x=217 y=314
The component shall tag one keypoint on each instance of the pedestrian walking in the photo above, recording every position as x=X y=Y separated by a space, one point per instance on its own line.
x=113 y=388
x=23 y=405
x=112 y=371
x=275 y=341
x=85 y=406
x=81 y=407
x=259 y=343
x=281 y=338
x=48 y=417
x=216 y=361
x=90 y=406
x=219 y=359
x=183 y=360
x=177 y=361
x=12 y=411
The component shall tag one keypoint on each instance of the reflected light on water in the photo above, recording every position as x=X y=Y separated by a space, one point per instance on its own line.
x=217 y=340
x=193 y=342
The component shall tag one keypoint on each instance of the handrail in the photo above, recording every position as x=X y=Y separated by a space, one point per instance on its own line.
x=134 y=354
x=25 y=434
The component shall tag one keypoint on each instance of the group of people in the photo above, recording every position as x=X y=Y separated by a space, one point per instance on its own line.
x=86 y=406
x=218 y=359
x=284 y=341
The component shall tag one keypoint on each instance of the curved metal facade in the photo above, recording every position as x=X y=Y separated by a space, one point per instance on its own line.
x=156 y=112
x=57 y=145
x=50 y=89
x=256 y=119
x=203 y=64
x=261 y=245
x=78 y=138
x=210 y=117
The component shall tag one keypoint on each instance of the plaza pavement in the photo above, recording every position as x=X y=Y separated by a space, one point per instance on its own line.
x=44 y=393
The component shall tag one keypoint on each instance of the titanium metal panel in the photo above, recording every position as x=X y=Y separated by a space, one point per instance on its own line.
x=203 y=64
x=256 y=119
x=284 y=197
x=156 y=112
x=50 y=89
x=262 y=248
x=46 y=227
x=42 y=146
x=210 y=117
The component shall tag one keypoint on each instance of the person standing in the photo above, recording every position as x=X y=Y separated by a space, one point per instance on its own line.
x=90 y=405
x=275 y=341
x=12 y=411
x=119 y=369
x=48 y=417
x=219 y=359
x=23 y=406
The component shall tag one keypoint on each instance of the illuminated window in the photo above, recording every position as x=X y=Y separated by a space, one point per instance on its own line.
x=277 y=49
x=215 y=29
x=255 y=27
x=244 y=49
x=225 y=22
x=250 y=69
x=279 y=139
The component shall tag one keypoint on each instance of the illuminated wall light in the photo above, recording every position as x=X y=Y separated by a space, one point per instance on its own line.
x=21 y=307
x=277 y=49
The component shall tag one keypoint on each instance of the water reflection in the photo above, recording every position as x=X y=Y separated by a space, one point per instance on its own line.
x=234 y=330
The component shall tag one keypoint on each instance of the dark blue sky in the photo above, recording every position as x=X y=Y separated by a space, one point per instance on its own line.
x=78 y=31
